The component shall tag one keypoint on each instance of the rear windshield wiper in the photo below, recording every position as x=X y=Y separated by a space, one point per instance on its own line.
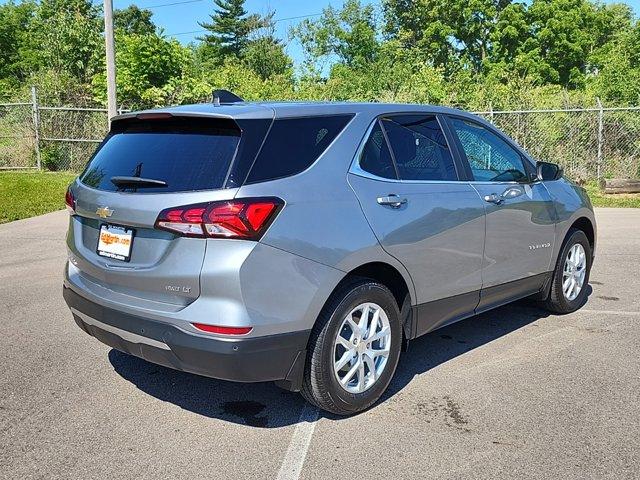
x=137 y=182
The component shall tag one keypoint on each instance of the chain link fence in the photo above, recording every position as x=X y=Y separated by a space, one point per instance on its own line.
x=34 y=136
x=589 y=143
x=17 y=136
x=69 y=136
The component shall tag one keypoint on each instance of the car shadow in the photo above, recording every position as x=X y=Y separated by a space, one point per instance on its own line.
x=447 y=343
x=266 y=406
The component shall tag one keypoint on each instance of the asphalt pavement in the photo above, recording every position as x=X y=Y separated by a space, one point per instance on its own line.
x=513 y=393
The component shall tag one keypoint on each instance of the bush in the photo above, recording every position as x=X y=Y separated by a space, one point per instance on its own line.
x=53 y=158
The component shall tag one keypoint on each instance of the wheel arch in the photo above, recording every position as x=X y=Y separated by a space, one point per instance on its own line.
x=391 y=277
x=383 y=273
x=584 y=224
x=584 y=221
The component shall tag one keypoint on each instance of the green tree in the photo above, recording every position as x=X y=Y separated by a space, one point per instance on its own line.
x=65 y=36
x=266 y=57
x=615 y=66
x=564 y=35
x=468 y=53
x=265 y=54
x=229 y=29
x=448 y=33
x=14 y=23
x=134 y=20
x=149 y=71
x=348 y=36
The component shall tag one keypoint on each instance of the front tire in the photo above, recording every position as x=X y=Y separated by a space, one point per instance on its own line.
x=571 y=276
x=354 y=348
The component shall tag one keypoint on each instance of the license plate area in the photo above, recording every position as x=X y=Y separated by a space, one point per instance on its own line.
x=115 y=242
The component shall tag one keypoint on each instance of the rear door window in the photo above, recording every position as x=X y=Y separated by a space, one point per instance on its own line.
x=419 y=148
x=293 y=144
x=187 y=154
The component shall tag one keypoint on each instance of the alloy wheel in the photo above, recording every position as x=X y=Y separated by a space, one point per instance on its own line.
x=361 y=347
x=575 y=269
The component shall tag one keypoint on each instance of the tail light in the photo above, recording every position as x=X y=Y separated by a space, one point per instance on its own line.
x=70 y=201
x=246 y=218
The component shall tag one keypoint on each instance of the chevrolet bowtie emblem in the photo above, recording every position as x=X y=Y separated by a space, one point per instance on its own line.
x=104 y=212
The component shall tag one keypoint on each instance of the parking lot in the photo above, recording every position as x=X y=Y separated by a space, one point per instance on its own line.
x=514 y=393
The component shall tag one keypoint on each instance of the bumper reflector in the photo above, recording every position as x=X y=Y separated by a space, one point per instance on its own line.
x=222 y=330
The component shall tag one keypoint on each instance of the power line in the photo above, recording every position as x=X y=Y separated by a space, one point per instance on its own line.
x=170 y=4
x=275 y=21
x=184 y=33
x=150 y=7
x=299 y=16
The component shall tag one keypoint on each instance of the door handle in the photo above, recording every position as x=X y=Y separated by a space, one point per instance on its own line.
x=512 y=192
x=494 y=198
x=392 y=200
x=509 y=193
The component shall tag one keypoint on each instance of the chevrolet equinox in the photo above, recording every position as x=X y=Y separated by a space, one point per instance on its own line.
x=308 y=243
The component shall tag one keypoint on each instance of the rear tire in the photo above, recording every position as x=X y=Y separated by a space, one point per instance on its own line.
x=571 y=276
x=347 y=370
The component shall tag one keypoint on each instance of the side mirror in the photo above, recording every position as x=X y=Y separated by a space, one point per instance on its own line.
x=548 y=171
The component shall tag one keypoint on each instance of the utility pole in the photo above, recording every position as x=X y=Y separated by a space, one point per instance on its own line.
x=111 y=60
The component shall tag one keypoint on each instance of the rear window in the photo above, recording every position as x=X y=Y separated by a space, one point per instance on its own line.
x=188 y=154
x=293 y=144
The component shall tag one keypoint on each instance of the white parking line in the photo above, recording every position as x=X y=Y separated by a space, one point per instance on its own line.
x=300 y=441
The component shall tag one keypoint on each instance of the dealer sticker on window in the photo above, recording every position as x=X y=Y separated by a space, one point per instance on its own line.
x=115 y=242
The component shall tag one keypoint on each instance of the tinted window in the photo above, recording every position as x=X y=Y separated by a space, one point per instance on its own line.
x=253 y=133
x=187 y=154
x=490 y=157
x=375 y=157
x=293 y=144
x=419 y=148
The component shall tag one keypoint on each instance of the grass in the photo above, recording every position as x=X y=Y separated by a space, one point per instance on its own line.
x=27 y=194
x=618 y=200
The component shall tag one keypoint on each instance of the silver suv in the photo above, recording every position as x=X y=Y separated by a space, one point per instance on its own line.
x=308 y=243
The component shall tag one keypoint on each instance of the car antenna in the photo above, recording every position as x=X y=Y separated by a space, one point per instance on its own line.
x=224 y=96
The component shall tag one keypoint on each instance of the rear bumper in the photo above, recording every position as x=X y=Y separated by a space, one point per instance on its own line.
x=270 y=358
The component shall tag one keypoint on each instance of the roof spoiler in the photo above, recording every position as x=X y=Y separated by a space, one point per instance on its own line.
x=224 y=96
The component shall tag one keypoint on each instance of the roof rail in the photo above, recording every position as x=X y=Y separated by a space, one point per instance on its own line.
x=224 y=96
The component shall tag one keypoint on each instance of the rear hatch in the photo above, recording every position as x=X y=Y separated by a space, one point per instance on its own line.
x=147 y=164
